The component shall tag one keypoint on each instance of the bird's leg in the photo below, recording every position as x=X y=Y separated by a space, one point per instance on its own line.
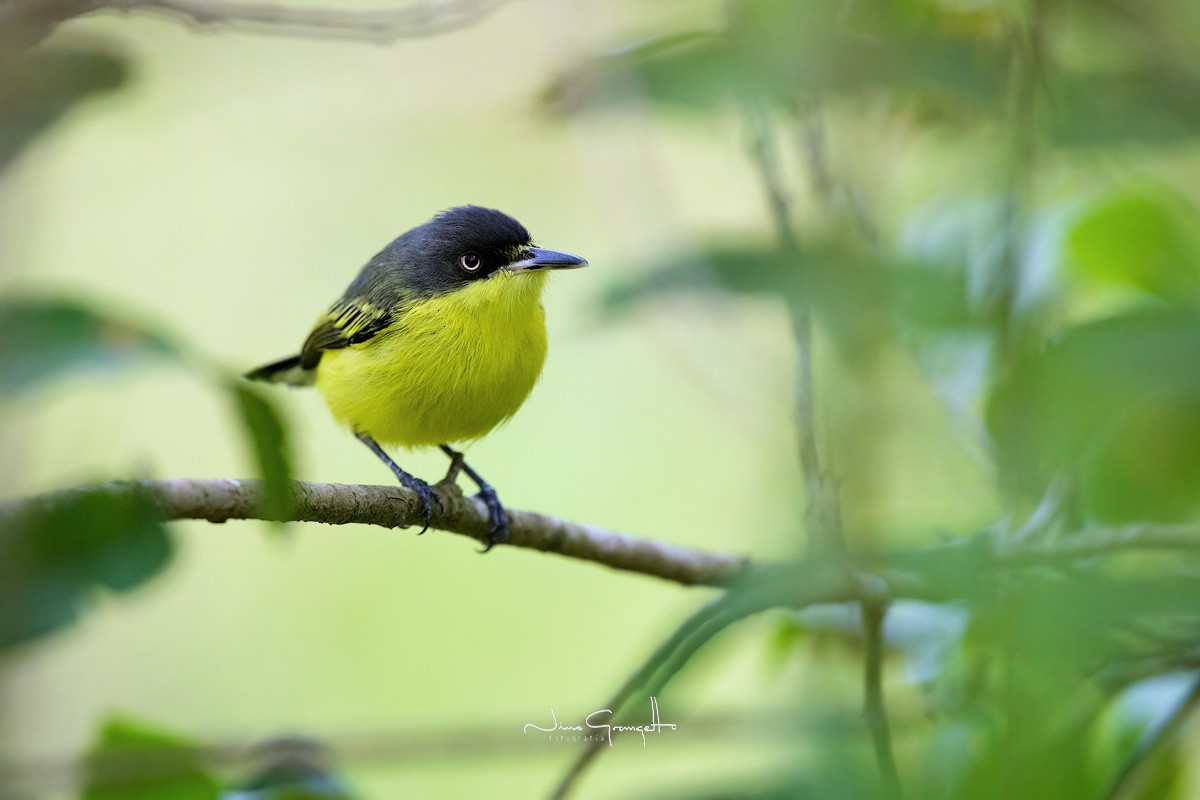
x=456 y=464
x=496 y=513
x=423 y=489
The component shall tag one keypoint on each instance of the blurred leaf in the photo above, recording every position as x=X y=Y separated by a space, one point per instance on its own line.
x=964 y=569
x=1144 y=239
x=690 y=71
x=1138 y=737
x=1137 y=107
x=39 y=86
x=786 y=50
x=829 y=47
x=41 y=339
x=1115 y=401
x=268 y=441
x=854 y=293
x=1146 y=464
x=1068 y=625
x=1040 y=642
x=54 y=558
x=787 y=633
x=133 y=762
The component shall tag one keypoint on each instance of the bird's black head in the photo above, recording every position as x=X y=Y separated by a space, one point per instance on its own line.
x=464 y=244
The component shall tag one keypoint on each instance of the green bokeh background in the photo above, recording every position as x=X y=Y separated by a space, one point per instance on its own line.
x=235 y=185
x=228 y=193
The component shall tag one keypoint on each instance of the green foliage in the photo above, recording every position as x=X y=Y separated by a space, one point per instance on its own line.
x=1083 y=379
x=268 y=440
x=1053 y=120
x=133 y=762
x=1147 y=239
x=855 y=293
x=41 y=339
x=777 y=50
x=55 y=559
x=1134 y=107
x=1115 y=403
x=39 y=86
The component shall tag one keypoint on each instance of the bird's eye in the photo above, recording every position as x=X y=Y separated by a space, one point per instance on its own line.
x=470 y=262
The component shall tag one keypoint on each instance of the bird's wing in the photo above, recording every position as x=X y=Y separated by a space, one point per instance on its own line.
x=351 y=321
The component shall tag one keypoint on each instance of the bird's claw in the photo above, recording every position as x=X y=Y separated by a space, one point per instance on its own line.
x=427 y=496
x=496 y=515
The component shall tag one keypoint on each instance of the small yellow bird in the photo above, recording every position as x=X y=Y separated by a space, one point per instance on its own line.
x=439 y=339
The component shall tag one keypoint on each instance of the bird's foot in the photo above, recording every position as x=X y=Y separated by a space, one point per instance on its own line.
x=426 y=495
x=496 y=515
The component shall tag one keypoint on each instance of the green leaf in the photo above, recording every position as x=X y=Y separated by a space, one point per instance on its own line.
x=786 y=634
x=133 y=762
x=784 y=50
x=855 y=294
x=55 y=557
x=1146 y=239
x=694 y=71
x=1146 y=464
x=1114 y=403
x=42 y=339
x=1145 y=106
x=37 y=87
x=828 y=47
x=268 y=441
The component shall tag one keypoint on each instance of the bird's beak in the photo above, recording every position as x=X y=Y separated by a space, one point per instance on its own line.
x=535 y=258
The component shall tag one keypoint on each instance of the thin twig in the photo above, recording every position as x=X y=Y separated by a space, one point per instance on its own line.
x=839 y=195
x=1093 y=542
x=416 y=19
x=395 y=506
x=822 y=509
x=874 y=708
x=1025 y=75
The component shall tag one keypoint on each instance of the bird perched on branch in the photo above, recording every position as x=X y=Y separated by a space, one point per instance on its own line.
x=438 y=340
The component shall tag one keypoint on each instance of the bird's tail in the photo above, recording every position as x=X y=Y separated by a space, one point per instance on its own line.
x=286 y=371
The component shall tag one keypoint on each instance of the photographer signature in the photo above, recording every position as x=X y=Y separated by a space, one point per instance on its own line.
x=656 y=724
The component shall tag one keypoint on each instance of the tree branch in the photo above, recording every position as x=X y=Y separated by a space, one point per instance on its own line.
x=395 y=506
x=426 y=18
x=219 y=500
x=1092 y=542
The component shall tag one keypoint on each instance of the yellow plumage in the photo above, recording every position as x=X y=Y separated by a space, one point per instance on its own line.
x=439 y=339
x=450 y=369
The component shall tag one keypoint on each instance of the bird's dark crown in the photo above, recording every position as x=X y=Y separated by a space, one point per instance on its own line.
x=428 y=260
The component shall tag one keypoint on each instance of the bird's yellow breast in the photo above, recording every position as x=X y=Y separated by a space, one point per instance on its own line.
x=449 y=370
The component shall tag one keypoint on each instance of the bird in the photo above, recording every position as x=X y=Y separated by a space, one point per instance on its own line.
x=437 y=341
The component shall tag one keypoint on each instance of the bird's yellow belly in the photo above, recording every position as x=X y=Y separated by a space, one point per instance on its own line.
x=451 y=369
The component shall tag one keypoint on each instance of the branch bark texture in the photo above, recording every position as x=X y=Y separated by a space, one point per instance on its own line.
x=395 y=506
